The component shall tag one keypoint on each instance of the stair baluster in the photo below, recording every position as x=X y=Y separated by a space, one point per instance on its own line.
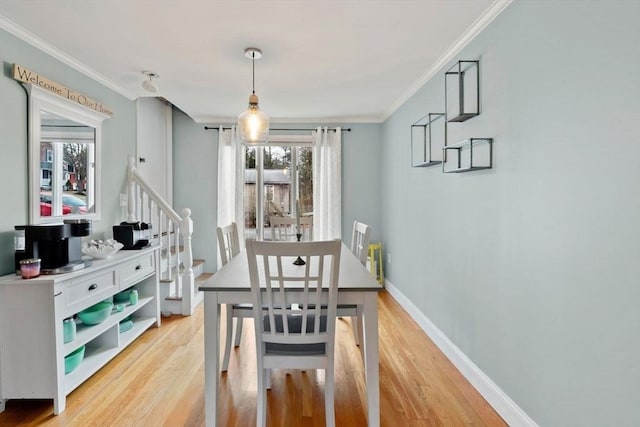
x=173 y=231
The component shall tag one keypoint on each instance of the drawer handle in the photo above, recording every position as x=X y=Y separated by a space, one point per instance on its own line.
x=93 y=286
x=138 y=267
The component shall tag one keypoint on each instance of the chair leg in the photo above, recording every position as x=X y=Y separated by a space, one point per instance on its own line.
x=355 y=327
x=239 y=322
x=360 y=328
x=261 y=415
x=227 y=343
x=328 y=397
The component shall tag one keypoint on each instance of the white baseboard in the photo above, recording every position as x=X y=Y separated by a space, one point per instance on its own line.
x=503 y=405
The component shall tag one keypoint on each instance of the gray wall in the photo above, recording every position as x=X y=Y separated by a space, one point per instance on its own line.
x=118 y=140
x=195 y=183
x=195 y=154
x=531 y=268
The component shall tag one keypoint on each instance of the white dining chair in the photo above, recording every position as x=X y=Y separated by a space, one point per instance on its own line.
x=295 y=328
x=284 y=229
x=360 y=248
x=360 y=241
x=229 y=247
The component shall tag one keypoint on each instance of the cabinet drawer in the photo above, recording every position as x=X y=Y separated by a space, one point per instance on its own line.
x=134 y=270
x=90 y=290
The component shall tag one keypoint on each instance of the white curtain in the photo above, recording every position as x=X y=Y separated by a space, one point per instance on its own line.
x=230 y=180
x=327 y=184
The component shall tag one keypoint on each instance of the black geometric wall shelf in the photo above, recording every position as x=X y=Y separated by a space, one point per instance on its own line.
x=462 y=91
x=428 y=136
x=468 y=155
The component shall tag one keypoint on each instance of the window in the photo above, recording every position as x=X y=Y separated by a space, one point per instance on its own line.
x=276 y=177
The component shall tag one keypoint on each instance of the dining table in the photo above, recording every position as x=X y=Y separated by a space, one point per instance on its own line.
x=231 y=285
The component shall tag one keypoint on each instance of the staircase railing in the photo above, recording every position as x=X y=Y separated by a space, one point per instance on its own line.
x=172 y=231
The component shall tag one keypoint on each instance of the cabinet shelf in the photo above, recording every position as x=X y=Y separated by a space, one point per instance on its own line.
x=96 y=356
x=428 y=134
x=469 y=155
x=139 y=326
x=85 y=333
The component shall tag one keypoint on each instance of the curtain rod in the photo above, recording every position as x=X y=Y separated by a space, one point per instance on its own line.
x=279 y=129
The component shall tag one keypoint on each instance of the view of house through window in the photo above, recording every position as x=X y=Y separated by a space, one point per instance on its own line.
x=276 y=179
x=66 y=167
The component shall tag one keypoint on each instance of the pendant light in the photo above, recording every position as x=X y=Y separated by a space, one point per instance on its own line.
x=253 y=124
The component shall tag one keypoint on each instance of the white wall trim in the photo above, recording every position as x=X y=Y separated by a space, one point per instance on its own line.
x=485 y=19
x=27 y=36
x=504 y=406
x=328 y=120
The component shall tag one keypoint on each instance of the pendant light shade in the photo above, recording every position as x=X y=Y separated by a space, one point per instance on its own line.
x=253 y=124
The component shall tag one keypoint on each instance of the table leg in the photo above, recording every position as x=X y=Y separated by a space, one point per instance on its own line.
x=211 y=356
x=371 y=358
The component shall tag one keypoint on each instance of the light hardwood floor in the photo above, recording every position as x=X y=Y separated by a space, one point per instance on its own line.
x=159 y=381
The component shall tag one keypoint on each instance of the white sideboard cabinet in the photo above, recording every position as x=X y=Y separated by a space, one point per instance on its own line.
x=32 y=311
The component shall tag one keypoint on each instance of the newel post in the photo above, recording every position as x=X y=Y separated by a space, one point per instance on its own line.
x=131 y=190
x=188 y=280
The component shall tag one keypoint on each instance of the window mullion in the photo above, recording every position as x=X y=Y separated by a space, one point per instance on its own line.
x=260 y=193
x=56 y=180
x=294 y=181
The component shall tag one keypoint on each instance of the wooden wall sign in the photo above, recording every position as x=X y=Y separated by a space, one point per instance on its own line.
x=25 y=75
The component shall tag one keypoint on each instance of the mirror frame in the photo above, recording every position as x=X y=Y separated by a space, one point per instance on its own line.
x=42 y=100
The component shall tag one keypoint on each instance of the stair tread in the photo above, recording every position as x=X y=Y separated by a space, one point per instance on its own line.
x=176 y=298
x=201 y=278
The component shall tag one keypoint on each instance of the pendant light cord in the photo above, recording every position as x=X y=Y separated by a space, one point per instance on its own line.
x=253 y=64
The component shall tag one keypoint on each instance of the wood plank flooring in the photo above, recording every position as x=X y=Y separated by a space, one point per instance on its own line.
x=159 y=381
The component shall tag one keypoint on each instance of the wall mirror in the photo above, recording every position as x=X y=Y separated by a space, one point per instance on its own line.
x=64 y=159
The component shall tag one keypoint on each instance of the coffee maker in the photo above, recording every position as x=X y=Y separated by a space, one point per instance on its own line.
x=133 y=235
x=58 y=246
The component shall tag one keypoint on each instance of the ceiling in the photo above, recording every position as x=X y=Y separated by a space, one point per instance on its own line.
x=328 y=61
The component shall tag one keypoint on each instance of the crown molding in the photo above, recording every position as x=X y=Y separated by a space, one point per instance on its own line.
x=480 y=24
x=204 y=119
x=13 y=28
